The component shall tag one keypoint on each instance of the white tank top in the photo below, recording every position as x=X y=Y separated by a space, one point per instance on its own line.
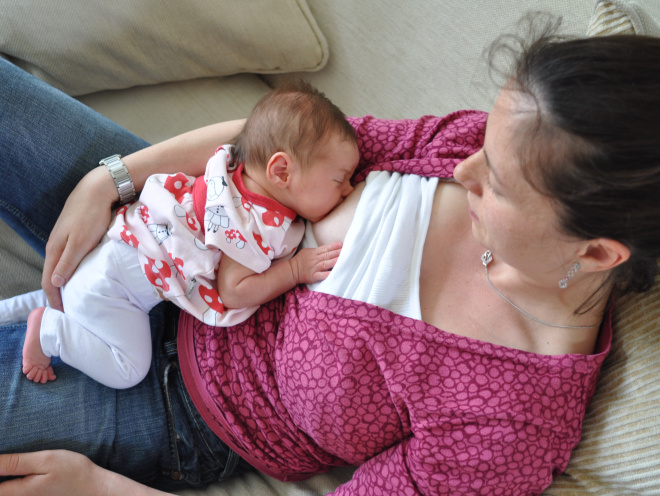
x=381 y=256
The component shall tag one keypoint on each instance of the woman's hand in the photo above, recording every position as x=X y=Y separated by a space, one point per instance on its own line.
x=49 y=473
x=81 y=225
x=55 y=473
x=86 y=214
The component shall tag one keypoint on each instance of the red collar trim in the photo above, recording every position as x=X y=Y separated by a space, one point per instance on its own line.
x=258 y=199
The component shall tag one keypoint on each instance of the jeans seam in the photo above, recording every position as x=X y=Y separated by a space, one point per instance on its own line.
x=169 y=408
x=6 y=327
x=24 y=220
x=232 y=460
x=174 y=379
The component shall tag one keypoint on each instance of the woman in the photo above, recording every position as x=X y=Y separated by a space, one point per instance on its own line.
x=485 y=396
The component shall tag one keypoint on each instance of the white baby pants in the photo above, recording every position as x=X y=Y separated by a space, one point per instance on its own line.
x=104 y=330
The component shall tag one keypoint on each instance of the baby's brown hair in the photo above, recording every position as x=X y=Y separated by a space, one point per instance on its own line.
x=294 y=118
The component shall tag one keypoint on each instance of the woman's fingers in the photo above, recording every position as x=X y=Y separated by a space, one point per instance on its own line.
x=63 y=473
x=65 y=254
x=52 y=291
x=79 y=228
x=15 y=465
x=51 y=279
x=47 y=473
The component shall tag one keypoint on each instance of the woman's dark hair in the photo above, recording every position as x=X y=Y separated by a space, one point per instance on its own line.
x=594 y=145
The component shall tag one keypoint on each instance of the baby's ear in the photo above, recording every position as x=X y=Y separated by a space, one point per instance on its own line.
x=279 y=168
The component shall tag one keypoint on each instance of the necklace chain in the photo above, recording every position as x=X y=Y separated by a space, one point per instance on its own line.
x=487 y=258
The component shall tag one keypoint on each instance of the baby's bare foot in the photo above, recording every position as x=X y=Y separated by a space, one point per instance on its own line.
x=36 y=365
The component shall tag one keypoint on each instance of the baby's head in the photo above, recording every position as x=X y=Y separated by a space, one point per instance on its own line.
x=301 y=142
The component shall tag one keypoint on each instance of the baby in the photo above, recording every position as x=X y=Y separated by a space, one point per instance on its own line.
x=218 y=246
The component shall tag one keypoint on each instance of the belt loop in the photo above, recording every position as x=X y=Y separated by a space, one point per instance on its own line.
x=175 y=472
x=171 y=324
x=232 y=461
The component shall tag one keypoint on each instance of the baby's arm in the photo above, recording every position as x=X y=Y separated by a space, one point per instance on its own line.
x=240 y=287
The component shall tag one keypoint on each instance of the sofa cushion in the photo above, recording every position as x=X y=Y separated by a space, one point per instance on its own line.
x=397 y=61
x=91 y=45
x=189 y=104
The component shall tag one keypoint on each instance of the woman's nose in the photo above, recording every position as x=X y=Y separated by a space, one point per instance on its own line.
x=468 y=173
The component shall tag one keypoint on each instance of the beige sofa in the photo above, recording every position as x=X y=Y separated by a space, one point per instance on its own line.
x=161 y=68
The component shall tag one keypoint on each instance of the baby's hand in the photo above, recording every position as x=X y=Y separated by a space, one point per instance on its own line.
x=314 y=264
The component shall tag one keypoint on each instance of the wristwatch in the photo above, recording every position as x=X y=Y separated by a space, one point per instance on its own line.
x=121 y=177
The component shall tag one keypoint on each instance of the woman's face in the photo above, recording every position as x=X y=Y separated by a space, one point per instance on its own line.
x=509 y=217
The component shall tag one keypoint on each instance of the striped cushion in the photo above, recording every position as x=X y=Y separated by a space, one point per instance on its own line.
x=611 y=17
x=608 y=19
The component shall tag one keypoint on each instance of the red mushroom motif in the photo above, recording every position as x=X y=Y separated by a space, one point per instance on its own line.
x=177 y=184
x=211 y=298
x=128 y=237
x=158 y=272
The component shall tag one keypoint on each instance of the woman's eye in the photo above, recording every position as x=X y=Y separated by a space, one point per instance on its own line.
x=490 y=187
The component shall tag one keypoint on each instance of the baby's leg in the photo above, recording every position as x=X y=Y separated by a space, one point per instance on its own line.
x=36 y=365
x=113 y=349
x=16 y=310
x=104 y=330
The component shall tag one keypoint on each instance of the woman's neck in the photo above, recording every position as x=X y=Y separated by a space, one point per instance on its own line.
x=582 y=303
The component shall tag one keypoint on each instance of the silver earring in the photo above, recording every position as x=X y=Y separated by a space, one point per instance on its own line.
x=563 y=283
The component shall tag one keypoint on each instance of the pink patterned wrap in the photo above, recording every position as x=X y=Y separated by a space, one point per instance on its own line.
x=313 y=381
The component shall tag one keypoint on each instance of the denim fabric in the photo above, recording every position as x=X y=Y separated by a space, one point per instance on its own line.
x=151 y=432
x=48 y=142
x=198 y=456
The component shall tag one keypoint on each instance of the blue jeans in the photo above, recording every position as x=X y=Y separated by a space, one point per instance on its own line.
x=152 y=432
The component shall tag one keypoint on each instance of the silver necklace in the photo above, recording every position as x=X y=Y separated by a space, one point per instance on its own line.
x=487 y=258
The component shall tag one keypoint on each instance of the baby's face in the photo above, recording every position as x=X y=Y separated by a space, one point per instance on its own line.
x=326 y=181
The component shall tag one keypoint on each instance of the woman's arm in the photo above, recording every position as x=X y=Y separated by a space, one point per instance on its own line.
x=86 y=214
x=429 y=146
x=187 y=153
x=55 y=473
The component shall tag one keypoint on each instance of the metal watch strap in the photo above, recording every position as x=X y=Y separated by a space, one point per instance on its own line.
x=121 y=177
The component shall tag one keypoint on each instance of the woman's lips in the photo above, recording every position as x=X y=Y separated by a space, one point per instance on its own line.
x=473 y=215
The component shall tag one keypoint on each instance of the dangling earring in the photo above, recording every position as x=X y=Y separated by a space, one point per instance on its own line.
x=563 y=283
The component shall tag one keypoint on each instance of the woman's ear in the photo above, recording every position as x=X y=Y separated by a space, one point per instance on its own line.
x=603 y=254
x=279 y=169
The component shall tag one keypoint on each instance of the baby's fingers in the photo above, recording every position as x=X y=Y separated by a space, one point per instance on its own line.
x=325 y=258
x=327 y=255
x=328 y=252
x=314 y=264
